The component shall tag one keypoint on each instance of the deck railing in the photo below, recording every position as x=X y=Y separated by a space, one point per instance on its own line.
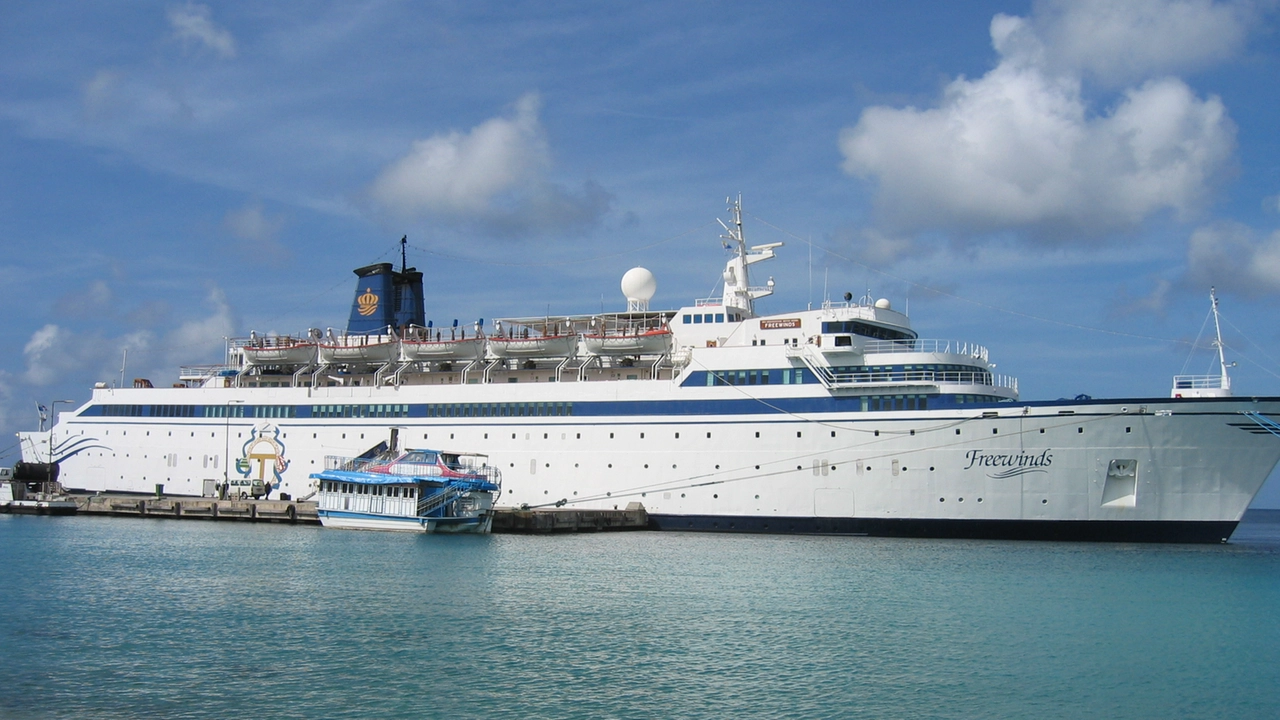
x=1197 y=382
x=948 y=347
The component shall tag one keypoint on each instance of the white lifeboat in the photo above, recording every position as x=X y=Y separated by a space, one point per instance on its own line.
x=278 y=350
x=359 y=349
x=646 y=342
x=422 y=344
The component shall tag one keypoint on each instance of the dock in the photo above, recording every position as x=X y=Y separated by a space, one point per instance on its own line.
x=188 y=508
x=303 y=512
x=542 y=521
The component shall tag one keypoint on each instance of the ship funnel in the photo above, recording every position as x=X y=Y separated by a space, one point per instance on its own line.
x=385 y=298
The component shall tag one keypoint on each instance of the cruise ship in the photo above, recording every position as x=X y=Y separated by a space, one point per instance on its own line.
x=714 y=417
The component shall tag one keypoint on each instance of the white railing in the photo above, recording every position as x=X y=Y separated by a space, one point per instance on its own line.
x=1197 y=382
x=947 y=347
x=204 y=372
x=832 y=379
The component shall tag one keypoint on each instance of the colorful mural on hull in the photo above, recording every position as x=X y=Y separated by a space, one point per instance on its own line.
x=262 y=457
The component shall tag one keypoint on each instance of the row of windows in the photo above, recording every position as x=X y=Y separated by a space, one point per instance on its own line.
x=358 y=489
x=788 y=376
x=856 y=327
x=359 y=411
x=542 y=409
x=699 y=318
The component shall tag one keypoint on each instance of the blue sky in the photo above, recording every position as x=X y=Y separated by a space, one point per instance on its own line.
x=1061 y=182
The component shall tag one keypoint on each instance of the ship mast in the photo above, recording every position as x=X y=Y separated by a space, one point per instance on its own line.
x=738 y=292
x=1217 y=341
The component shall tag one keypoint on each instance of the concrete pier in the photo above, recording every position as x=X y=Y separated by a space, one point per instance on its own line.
x=285 y=511
x=508 y=520
x=303 y=512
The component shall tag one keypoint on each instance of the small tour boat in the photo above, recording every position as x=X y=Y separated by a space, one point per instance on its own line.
x=415 y=491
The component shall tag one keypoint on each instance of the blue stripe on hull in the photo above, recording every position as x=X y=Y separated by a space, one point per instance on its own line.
x=1163 y=531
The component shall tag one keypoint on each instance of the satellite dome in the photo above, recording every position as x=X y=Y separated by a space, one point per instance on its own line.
x=883 y=304
x=639 y=285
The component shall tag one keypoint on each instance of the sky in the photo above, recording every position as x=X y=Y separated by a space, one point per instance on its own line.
x=1061 y=182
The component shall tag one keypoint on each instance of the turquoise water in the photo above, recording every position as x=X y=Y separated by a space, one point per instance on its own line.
x=130 y=617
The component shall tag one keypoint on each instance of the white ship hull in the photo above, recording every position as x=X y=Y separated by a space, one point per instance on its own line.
x=934 y=472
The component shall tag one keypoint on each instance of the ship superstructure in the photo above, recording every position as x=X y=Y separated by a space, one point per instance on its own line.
x=838 y=419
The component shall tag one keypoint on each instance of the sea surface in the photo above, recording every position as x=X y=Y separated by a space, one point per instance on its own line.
x=126 y=618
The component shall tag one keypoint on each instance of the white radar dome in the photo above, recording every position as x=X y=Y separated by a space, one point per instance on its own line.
x=883 y=304
x=639 y=284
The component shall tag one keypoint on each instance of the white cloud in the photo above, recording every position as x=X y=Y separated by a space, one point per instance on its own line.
x=874 y=247
x=198 y=340
x=1232 y=257
x=58 y=355
x=252 y=223
x=101 y=94
x=1020 y=148
x=193 y=23
x=258 y=232
x=496 y=175
x=1121 y=41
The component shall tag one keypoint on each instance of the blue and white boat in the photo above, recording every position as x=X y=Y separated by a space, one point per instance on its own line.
x=717 y=416
x=415 y=491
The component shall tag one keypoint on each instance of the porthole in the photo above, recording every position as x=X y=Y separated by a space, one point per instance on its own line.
x=757 y=497
x=673 y=466
x=708 y=436
x=575 y=465
x=717 y=467
x=610 y=464
x=682 y=495
x=1041 y=431
x=979 y=499
x=995 y=431
x=959 y=499
x=715 y=496
x=646 y=466
x=930 y=468
x=1044 y=502
x=942 y=499
x=833 y=433
x=757 y=467
x=957 y=431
